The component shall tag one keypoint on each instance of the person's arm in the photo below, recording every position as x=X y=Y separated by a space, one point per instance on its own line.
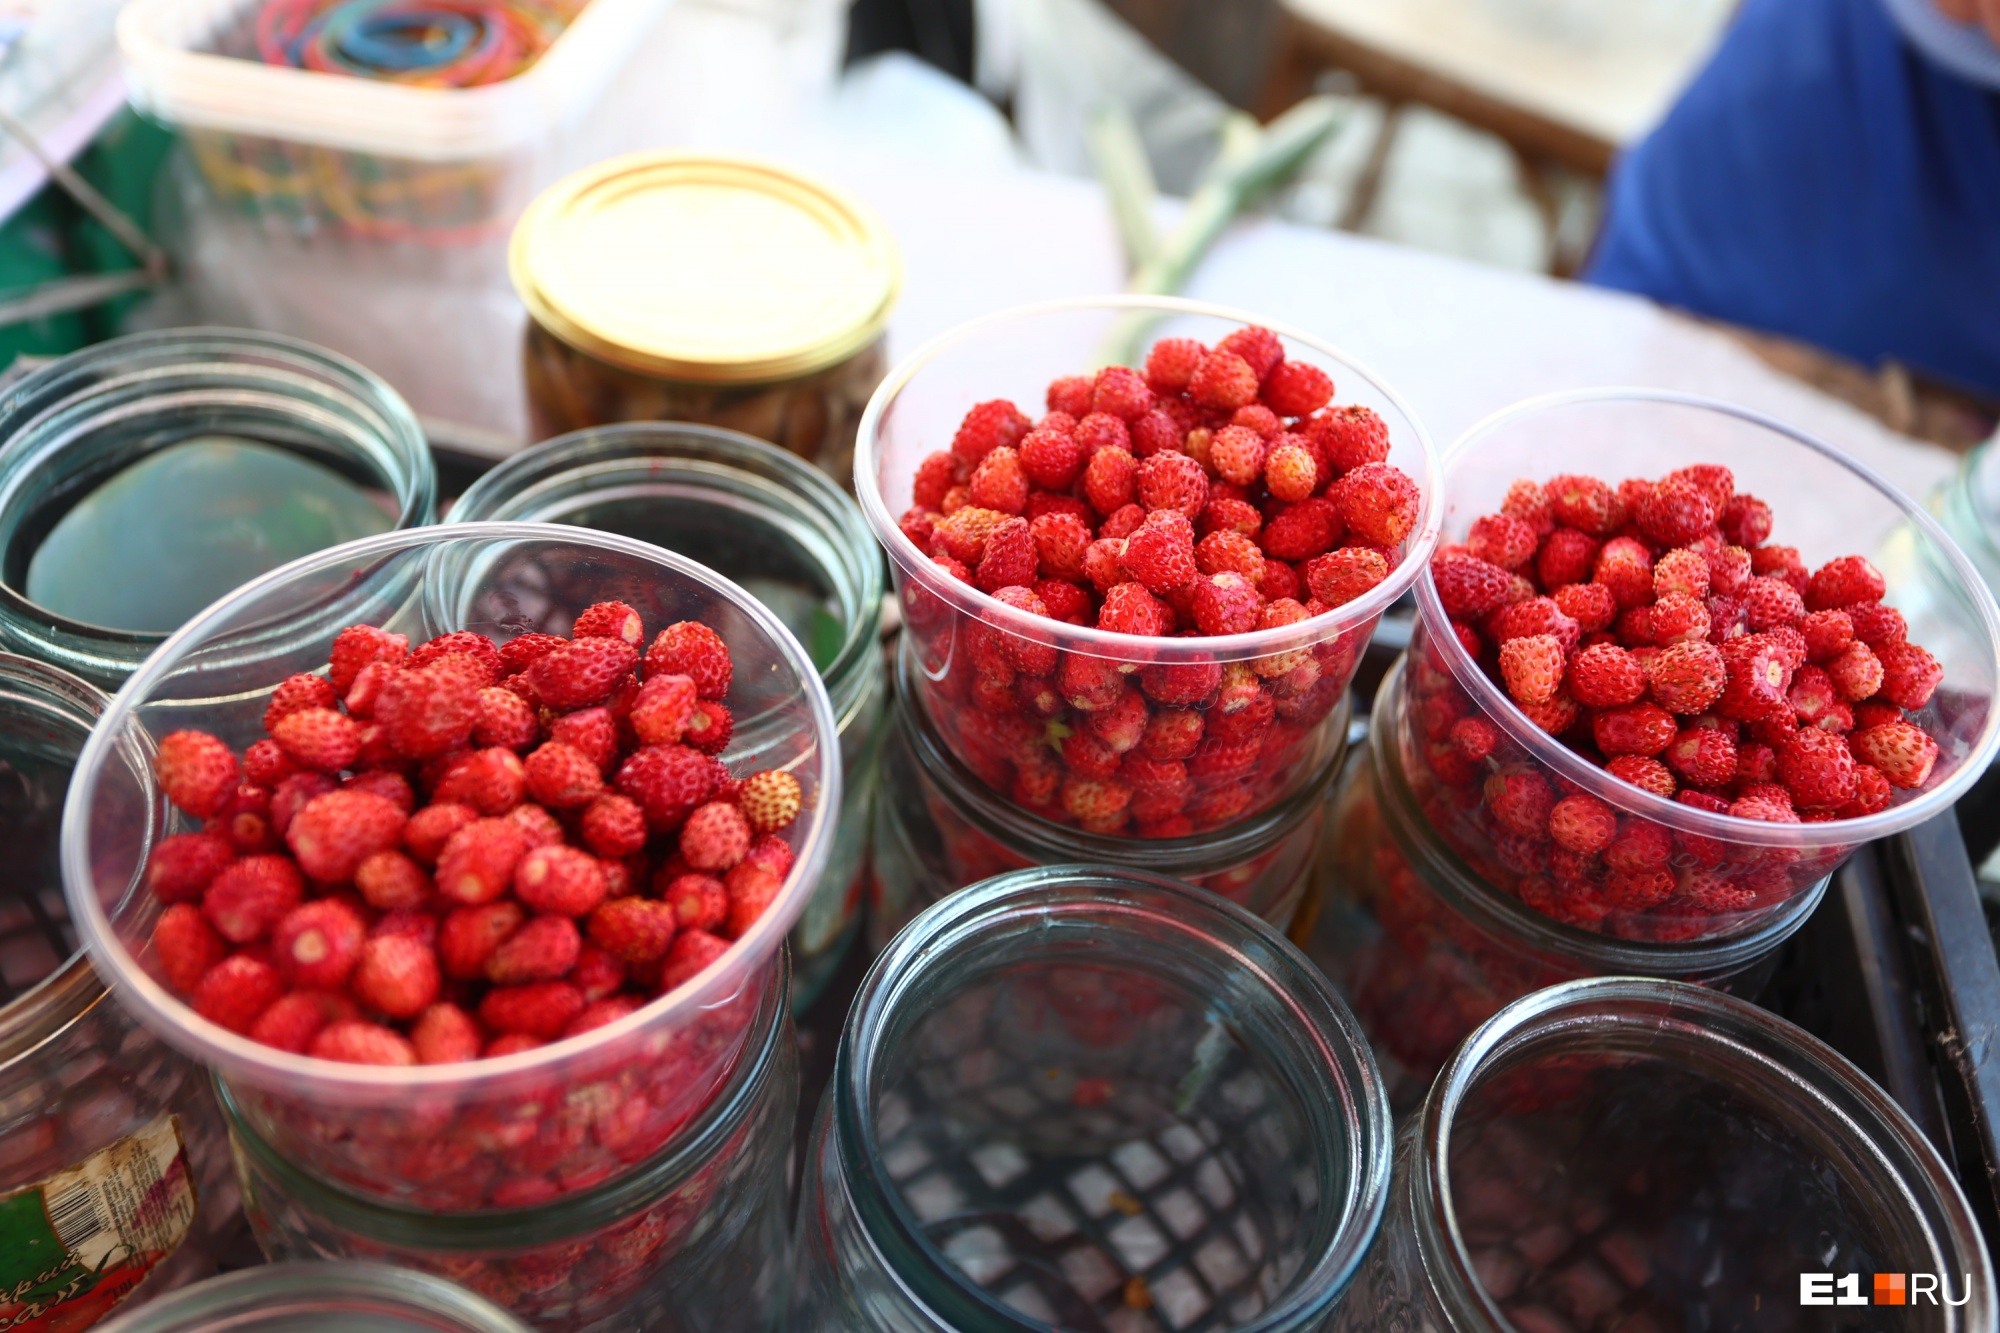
x=1985 y=12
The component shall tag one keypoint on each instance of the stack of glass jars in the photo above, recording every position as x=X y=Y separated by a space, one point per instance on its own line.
x=789 y=537
x=1426 y=950
x=106 y=1132
x=636 y=1161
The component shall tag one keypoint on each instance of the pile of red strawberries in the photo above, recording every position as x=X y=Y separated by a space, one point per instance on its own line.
x=1216 y=493
x=467 y=850
x=1655 y=628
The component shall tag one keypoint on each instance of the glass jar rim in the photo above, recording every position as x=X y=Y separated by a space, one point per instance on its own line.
x=938 y=939
x=1135 y=647
x=1568 y=763
x=1730 y=1028
x=214 y=1044
x=315 y=1285
x=1447 y=875
x=566 y=1216
x=517 y=490
x=1046 y=842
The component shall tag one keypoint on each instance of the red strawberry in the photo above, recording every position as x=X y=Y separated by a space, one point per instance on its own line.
x=1903 y=753
x=251 y=896
x=692 y=649
x=987 y=427
x=236 y=992
x=1584 y=503
x=506 y=720
x=582 y=673
x=184 y=865
x=638 y=930
x=1634 y=729
x=491 y=781
x=391 y=880
x=1521 y=801
x=428 y=712
x=1223 y=380
x=1470 y=588
x=1379 y=502
x=1909 y=674
x=1642 y=772
x=318 y=944
x=397 y=976
x=667 y=781
x=1759 y=676
x=1582 y=823
x=559 y=879
x=1843 y=582
x=610 y=620
x=186 y=946
x=477 y=863
x=540 y=1009
x=1606 y=676
x=1687 y=678
x=445 y=1034
x=1532 y=667
x=333 y=834
x=545 y=949
x=1818 y=769
x=357 y=646
x=1675 y=512
x=563 y=777
x=197 y=772
x=468 y=936
x=362 y=1044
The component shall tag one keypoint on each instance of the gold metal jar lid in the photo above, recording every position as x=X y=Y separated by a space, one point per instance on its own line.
x=712 y=269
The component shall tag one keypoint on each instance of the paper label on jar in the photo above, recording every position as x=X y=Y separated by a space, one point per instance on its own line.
x=75 y=1245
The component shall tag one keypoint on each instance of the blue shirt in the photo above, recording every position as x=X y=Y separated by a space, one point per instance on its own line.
x=1824 y=179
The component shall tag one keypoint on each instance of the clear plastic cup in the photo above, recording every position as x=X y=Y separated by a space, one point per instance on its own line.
x=320 y=1298
x=961 y=633
x=1634 y=1155
x=1727 y=869
x=578 y=1111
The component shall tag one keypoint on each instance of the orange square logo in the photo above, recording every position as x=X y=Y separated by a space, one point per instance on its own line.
x=1891 y=1289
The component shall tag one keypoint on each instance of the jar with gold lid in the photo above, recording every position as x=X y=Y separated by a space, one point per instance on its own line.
x=719 y=290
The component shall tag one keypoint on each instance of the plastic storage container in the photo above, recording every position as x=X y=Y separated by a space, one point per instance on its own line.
x=788 y=536
x=1633 y=1154
x=1005 y=686
x=307 y=152
x=460 y=1136
x=321 y=1298
x=694 y=1238
x=104 y=1130
x=939 y=829
x=1090 y=1099
x=1425 y=951
x=142 y=478
x=1826 y=505
x=684 y=287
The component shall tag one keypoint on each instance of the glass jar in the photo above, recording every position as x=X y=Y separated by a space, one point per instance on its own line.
x=1968 y=507
x=473 y=1134
x=1646 y=1155
x=694 y=1239
x=145 y=477
x=685 y=287
x=321 y=1298
x=1425 y=950
x=1094 y=1099
x=790 y=538
x=1011 y=690
x=939 y=829
x=91 y=1104
x=1721 y=865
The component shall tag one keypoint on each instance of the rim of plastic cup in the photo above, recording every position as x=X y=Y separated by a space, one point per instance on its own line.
x=1417 y=546
x=164 y=1012
x=1550 y=750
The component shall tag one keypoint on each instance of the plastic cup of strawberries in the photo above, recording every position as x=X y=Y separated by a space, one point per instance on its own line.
x=1675 y=661
x=1137 y=593
x=463 y=855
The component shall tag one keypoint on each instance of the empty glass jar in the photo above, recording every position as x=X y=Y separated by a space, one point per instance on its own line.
x=938 y=829
x=114 y=1172
x=145 y=477
x=693 y=1240
x=1425 y=950
x=782 y=531
x=1091 y=1099
x=1650 y=1156
x=321 y=1298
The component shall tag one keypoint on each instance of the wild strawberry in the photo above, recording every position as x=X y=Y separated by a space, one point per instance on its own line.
x=183 y=865
x=1291 y=471
x=610 y=620
x=352 y=1042
x=715 y=837
x=197 y=772
x=468 y=936
x=1606 y=676
x=445 y=1034
x=1678 y=617
x=1584 y=503
x=1120 y=392
x=1818 y=769
x=476 y=648
x=667 y=782
x=505 y=720
x=613 y=826
x=1566 y=558
x=1172 y=481
x=559 y=879
x=1843 y=582
x=936 y=474
x=1759 y=676
x=1827 y=634
x=1745 y=521
x=1230 y=552
x=318 y=944
x=391 y=880
x=186 y=946
x=1129 y=609
x=1590 y=605
x=1675 y=512
x=562 y=777
x=428 y=712
x=1770 y=603
x=1303 y=531
x=1555 y=716
x=334 y=833
x=357 y=646
x=430 y=828
x=1702 y=755
x=236 y=992
x=1521 y=802
x=1634 y=729
x=689 y=955
x=1684 y=570
x=265 y=764
x=477 y=863
x=1223 y=380
x=397 y=976
x=1856 y=672
x=751 y=889
x=1583 y=824
x=999 y=482
x=582 y=673
x=1171 y=364
x=539 y=1009
x=1687 y=677
x=1237 y=455
x=545 y=949
x=1909 y=674
x=1625 y=566
x=1872 y=793
x=1532 y=667
x=491 y=781
x=1470 y=588
x=1379 y=502
x=1647 y=774
x=1160 y=554
x=1295 y=389
x=293 y=1021
x=693 y=650
x=250 y=896
x=1769 y=809
x=1876 y=624
x=988 y=426
x=1902 y=751
x=770 y=800
x=1226 y=604
x=1502 y=540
